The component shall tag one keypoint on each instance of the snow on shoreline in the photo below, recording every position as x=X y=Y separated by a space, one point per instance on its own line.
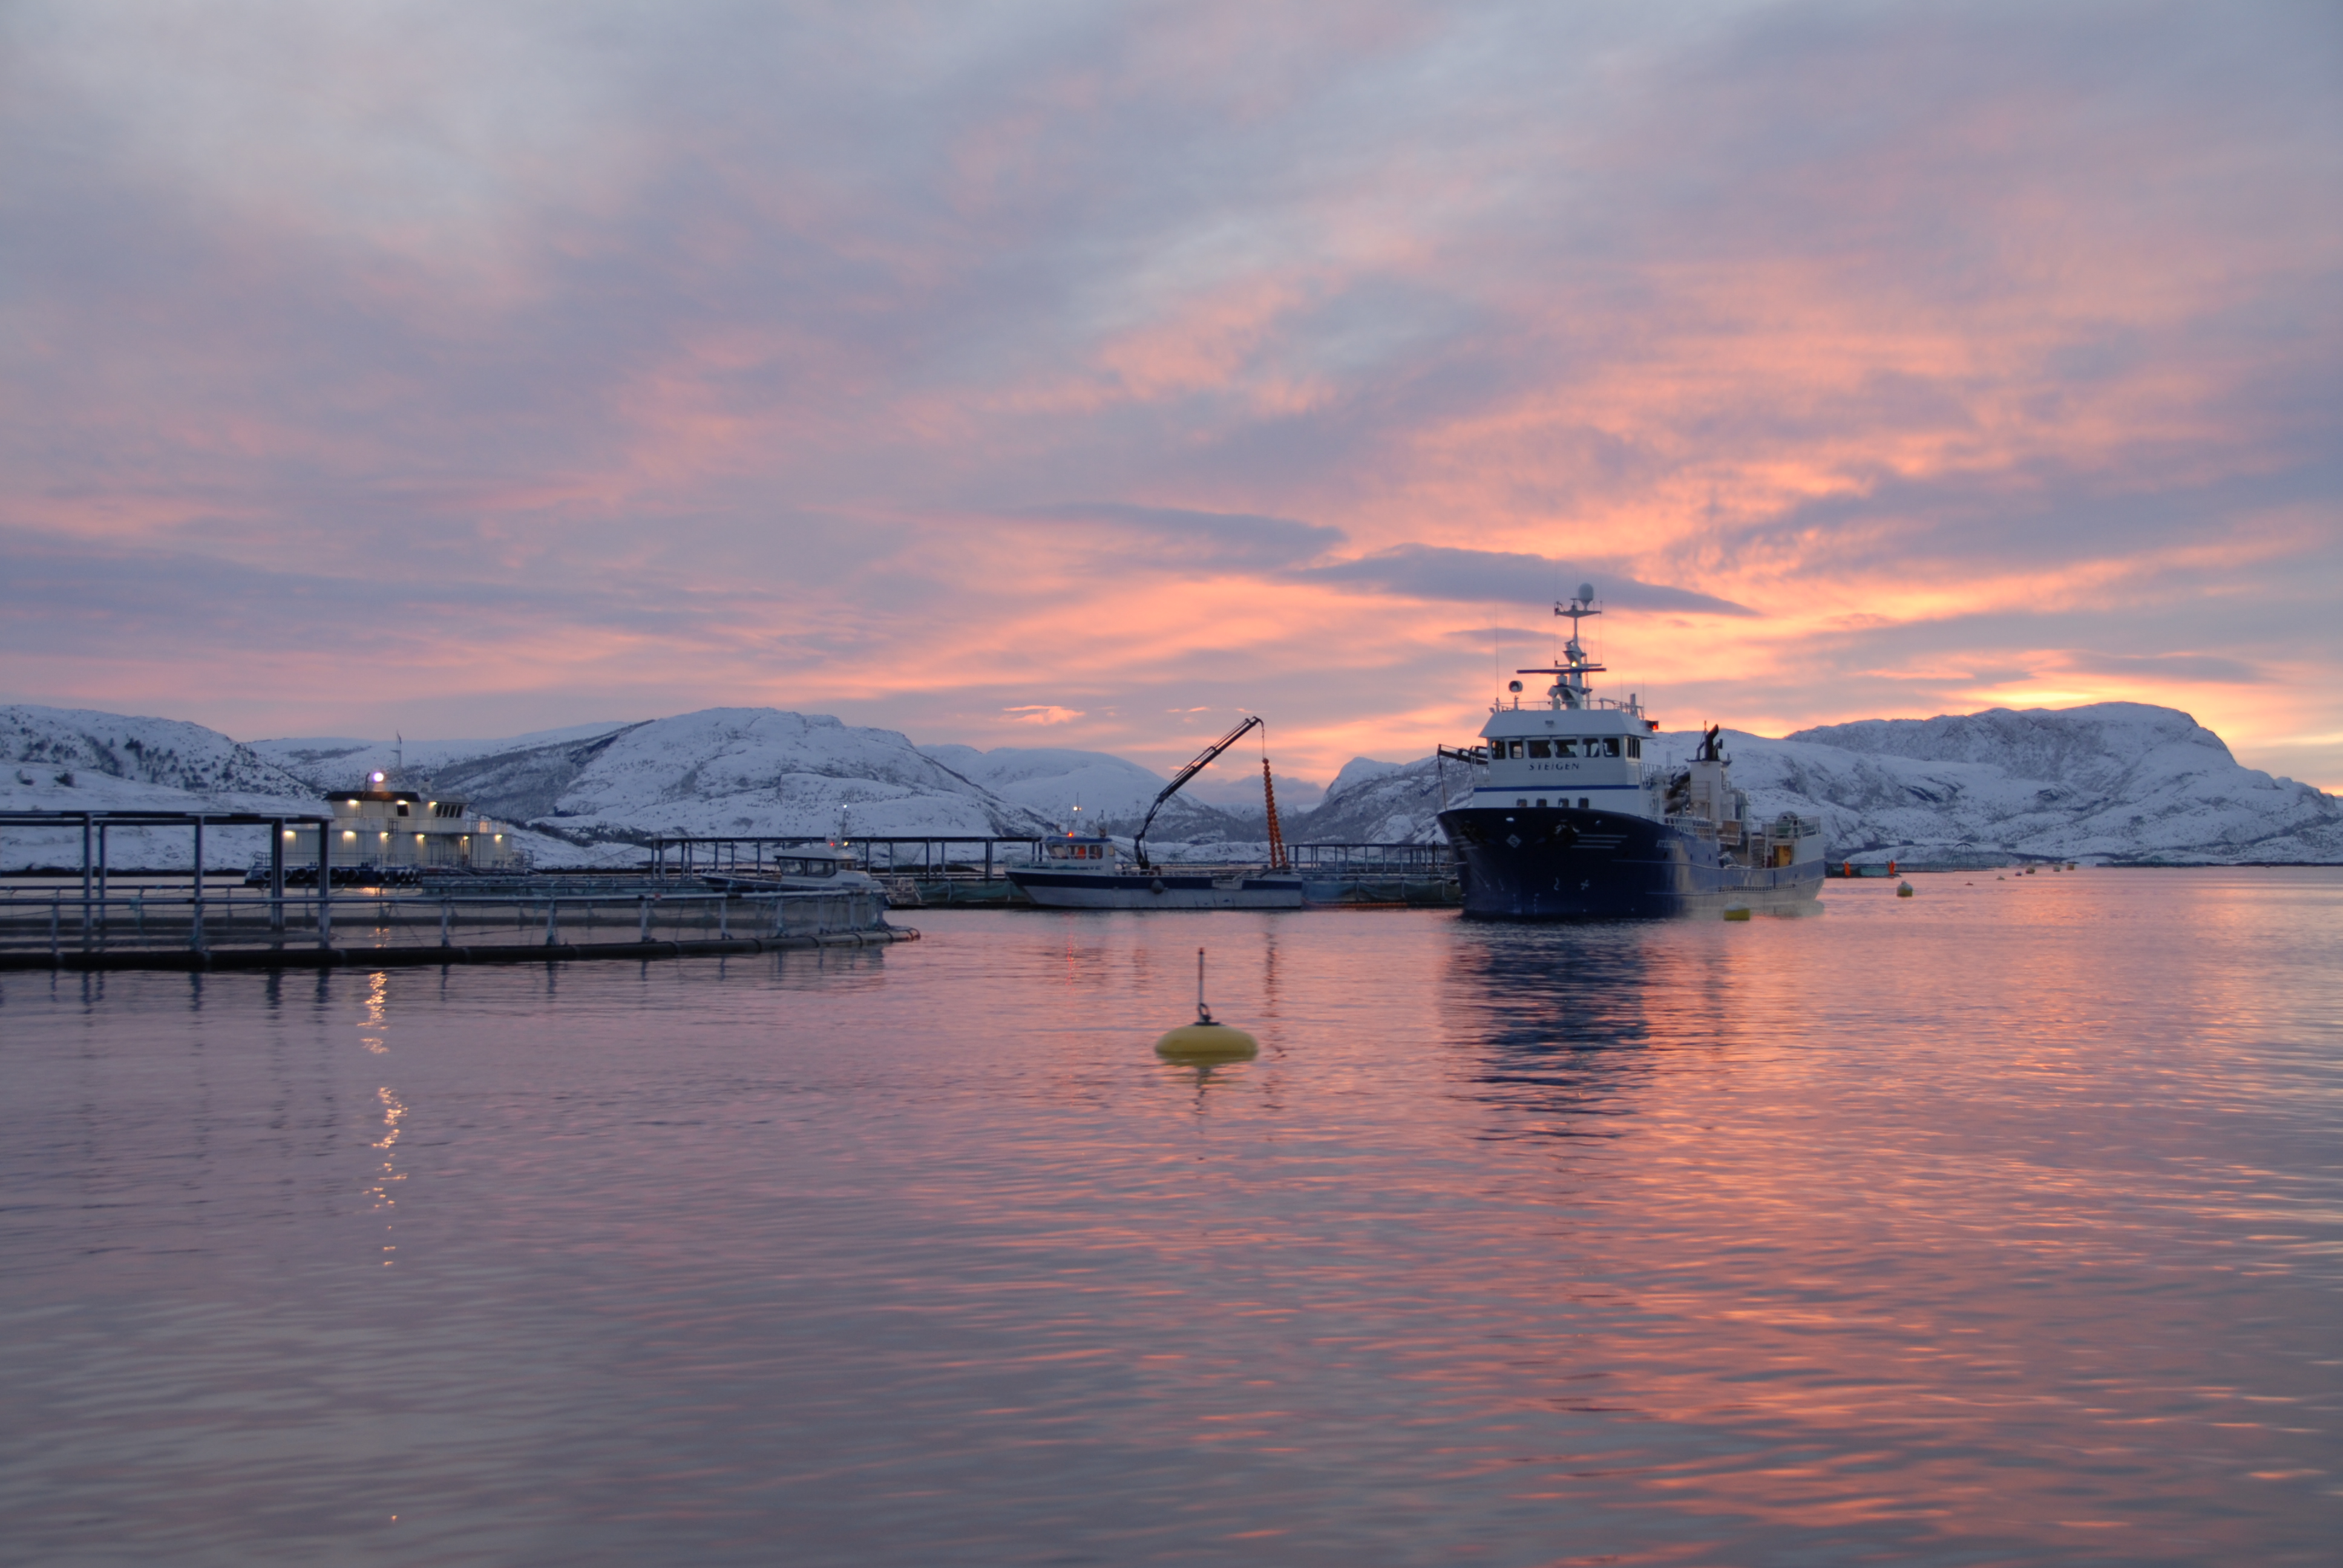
x=2107 y=783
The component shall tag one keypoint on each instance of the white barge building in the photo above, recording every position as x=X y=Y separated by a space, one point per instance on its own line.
x=389 y=829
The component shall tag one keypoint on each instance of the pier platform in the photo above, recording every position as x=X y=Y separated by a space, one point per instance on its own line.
x=945 y=873
x=96 y=916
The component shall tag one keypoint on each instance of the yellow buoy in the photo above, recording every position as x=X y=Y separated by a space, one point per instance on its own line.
x=1737 y=912
x=1207 y=1038
x=1903 y=889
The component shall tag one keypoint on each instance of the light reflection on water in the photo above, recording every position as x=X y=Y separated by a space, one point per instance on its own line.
x=1999 y=1224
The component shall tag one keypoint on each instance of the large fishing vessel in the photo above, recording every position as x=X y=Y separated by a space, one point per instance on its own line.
x=1568 y=819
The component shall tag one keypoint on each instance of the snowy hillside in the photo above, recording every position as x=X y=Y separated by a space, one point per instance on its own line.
x=71 y=759
x=1051 y=780
x=2113 y=782
x=1373 y=802
x=53 y=741
x=742 y=771
x=751 y=770
x=1112 y=792
x=344 y=764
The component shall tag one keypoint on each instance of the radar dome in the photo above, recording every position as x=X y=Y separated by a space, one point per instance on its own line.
x=1586 y=592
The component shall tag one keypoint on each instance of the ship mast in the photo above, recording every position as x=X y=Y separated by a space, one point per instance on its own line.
x=1570 y=688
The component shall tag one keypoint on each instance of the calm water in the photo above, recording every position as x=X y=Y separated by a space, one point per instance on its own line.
x=2002 y=1224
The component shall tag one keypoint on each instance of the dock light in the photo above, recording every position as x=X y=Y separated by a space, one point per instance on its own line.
x=376 y=777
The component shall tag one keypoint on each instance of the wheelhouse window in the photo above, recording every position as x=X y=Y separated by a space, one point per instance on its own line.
x=1541 y=748
x=1634 y=746
x=1610 y=744
x=1565 y=749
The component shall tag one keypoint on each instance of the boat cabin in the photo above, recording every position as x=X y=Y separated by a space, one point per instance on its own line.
x=1077 y=852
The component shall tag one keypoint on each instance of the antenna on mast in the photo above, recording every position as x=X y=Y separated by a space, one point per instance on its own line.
x=1569 y=688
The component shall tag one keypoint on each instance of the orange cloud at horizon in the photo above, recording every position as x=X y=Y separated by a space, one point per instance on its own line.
x=1048 y=372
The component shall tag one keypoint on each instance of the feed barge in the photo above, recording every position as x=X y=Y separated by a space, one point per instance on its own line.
x=1568 y=819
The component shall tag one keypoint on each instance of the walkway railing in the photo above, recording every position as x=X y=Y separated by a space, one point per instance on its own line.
x=58 y=923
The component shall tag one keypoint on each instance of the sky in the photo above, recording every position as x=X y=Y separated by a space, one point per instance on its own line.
x=1086 y=374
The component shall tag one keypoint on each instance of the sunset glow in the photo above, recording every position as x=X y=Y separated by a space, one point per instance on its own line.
x=1080 y=376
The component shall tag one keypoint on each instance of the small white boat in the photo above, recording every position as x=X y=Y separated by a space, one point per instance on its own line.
x=800 y=869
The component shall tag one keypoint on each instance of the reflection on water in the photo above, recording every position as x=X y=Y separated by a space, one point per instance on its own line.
x=1560 y=1019
x=2000 y=1224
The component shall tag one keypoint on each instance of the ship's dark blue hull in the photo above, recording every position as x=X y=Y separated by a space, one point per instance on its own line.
x=1557 y=863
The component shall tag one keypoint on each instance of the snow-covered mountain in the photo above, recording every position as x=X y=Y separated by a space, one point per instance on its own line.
x=159 y=751
x=341 y=763
x=2110 y=782
x=724 y=770
x=1373 y=802
x=743 y=771
x=1112 y=792
x=74 y=760
x=2114 y=782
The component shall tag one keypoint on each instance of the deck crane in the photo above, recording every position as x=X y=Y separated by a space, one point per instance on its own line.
x=1203 y=760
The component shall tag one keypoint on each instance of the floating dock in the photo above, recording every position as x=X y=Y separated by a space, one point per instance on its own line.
x=102 y=918
x=933 y=873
